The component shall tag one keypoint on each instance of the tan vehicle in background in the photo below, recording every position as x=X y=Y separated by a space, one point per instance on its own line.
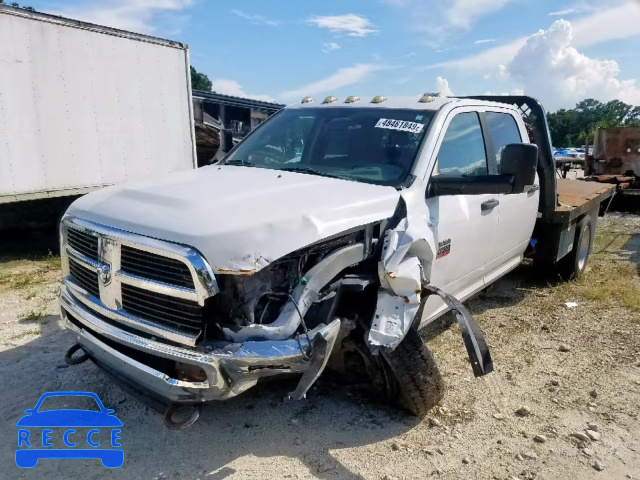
x=616 y=159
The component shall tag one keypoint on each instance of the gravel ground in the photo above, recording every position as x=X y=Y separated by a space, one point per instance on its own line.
x=559 y=371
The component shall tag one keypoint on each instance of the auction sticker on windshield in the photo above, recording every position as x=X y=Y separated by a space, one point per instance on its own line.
x=400 y=125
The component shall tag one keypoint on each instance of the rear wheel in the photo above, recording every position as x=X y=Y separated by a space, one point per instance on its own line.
x=574 y=264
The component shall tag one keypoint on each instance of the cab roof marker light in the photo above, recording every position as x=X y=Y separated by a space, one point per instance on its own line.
x=307 y=100
x=429 y=97
x=352 y=99
x=330 y=99
x=379 y=99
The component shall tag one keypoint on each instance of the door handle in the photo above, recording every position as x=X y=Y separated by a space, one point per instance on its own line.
x=489 y=204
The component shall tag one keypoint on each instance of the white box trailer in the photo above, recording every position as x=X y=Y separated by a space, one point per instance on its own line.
x=84 y=106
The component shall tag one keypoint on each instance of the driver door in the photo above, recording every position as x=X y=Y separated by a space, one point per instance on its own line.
x=465 y=226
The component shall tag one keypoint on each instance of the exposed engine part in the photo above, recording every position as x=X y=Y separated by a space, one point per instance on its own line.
x=259 y=298
x=304 y=294
x=242 y=300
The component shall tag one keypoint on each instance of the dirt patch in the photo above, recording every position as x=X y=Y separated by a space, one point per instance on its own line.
x=563 y=368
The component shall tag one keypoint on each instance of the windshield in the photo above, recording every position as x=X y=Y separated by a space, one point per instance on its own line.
x=371 y=145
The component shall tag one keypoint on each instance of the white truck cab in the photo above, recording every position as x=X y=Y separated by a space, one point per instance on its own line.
x=324 y=239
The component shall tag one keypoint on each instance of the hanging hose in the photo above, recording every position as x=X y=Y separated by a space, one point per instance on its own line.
x=70 y=360
x=171 y=424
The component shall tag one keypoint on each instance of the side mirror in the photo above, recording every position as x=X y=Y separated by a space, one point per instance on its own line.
x=226 y=140
x=520 y=160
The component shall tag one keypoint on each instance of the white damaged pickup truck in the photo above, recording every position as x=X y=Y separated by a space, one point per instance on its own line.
x=324 y=239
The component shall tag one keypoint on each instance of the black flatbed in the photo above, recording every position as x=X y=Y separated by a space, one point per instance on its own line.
x=576 y=197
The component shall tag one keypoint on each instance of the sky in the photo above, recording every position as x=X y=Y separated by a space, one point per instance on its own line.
x=559 y=51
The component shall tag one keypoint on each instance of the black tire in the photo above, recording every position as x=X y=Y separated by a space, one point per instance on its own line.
x=416 y=378
x=574 y=264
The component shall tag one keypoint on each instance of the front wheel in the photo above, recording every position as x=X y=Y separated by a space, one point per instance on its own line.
x=574 y=264
x=414 y=375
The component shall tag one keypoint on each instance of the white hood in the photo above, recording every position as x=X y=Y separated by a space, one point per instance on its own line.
x=239 y=218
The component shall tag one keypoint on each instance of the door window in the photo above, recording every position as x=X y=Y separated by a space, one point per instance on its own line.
x=462 y=152
x=504 y=130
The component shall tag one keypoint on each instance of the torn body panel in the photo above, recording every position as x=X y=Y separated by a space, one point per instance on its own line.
x=472 y=336
x=393 y=318
x=404 y=271
x=406 y=257
x=321 y=348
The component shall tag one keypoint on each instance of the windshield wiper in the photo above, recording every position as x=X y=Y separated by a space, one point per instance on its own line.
x=311 y=171
x=235 y=161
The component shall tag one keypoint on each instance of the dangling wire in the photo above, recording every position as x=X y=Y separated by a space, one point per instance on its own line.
x=304 y=327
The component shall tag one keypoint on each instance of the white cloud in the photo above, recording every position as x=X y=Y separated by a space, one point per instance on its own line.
x=330 y=46
x=551 y=69
x=580 y=8
x=462 y=13
x=490 y=58
x=438 y=19
x=257 y=19
x=447 y=49
x=562 y=12
x=351 y=24
x=606 y=24
x=442 y=87
x=134 y=15
x=342 y=78
x=486 y=40
x=614 y=23
x=232 y=87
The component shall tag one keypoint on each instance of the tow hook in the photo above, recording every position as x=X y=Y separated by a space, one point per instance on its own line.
x=71 y=360
x=171 y=424
x=471 y=333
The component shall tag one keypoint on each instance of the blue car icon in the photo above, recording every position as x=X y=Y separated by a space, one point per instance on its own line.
x=78 y=446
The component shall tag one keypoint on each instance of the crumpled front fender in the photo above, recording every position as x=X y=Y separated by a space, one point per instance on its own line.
x=406 y=259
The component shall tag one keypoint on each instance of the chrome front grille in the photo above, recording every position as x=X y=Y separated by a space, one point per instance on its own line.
x=155 y=267
x=83 y=242
x=162 y=308
x=84 y=277
x=153 y=286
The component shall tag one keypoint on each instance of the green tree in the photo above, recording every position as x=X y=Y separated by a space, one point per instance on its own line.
x=575 y=127
x=199 y=81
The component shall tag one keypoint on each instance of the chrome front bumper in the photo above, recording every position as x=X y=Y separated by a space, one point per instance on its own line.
x=230 y=369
